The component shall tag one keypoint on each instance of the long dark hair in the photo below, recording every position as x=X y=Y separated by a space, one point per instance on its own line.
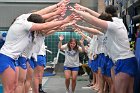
x=76 y=46
x=105 y=16
x=36 y=18
x=111 y=9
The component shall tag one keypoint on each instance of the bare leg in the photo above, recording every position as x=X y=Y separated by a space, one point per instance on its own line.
x=110 y=83
x=28 y=78
x=21 y=80
x=38 y=73
x=94 y=79
x=9 y=80
x=17 y=75
x=96 y=87
x=131 y=85
x=101 y=82
x=113 y=74
x=105 y=87
x=67 y=78
x=122 y=82
x=74 y=77
x=113 y=80
x=40 y=79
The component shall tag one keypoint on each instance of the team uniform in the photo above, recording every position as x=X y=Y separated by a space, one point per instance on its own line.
x=91 y=52
x=18 y=38
x=30 y=53
x=41 y=57
x=71 y=58
x=119 y=48
x=101 y=53
x=37 y=45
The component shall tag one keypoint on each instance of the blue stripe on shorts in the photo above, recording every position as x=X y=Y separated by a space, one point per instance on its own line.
x=22 y=62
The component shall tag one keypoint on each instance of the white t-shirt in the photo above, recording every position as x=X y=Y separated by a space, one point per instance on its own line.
x=106 y=52
x=18 y=37
x=71 y=57
x=28 y=51
x=117 y=40
x=100 y=41
x=35 y=47
x=92 y=47
x=42 y=49
x=38 y=41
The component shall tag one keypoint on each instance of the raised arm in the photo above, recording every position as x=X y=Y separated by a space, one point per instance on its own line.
x=90 y=30
x=82 y=45
x=57 y=12
x=80 y=33
x=49 y=25
x=50 y=32
x=46 y=10
x=92 y=12
x=92 y=19
x=52 y=18
x=61 y=37
x=49 y=8
x=87 y=38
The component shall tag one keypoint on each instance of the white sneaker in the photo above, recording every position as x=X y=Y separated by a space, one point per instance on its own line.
x=85 y=74
x=67 y=91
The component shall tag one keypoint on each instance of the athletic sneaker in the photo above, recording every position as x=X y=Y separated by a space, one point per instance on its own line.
x=42 y=91
x=85 y=74
x=67 y=91
x=89 y=85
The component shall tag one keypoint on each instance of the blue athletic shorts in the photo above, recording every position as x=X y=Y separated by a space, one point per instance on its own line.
x=22 y=62
x=99 y=60
x=6 y=62
x=102 y=62
x=128 y=66
x=89 y=63
x=41 y=61
x=71 y=68
x=94 y=65
x=32 y=62
x=108 y=66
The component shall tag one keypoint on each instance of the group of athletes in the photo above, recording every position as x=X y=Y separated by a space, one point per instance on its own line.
x=23 y=57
